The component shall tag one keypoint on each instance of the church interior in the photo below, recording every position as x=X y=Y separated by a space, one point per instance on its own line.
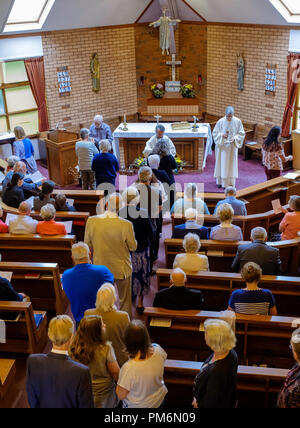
x=213 y=81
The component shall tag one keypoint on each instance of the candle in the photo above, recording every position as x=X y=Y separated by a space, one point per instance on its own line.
x=124 y=118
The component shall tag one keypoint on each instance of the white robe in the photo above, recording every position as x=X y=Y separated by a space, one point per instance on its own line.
x=227 y=149
x=152 y=143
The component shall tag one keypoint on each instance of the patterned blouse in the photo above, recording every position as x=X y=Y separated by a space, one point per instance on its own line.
x=289 y=396
x=273 y=160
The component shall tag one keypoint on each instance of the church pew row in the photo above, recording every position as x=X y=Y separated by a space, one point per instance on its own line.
x=258 y=387
x=259 y=197
x=217 y=288
x=221 y=254
x=41 y=282
x=79 y=219
x=7 y=379
x=84 y=200
x=260 y=339
x=269 y=220
x=37 y=249
x=27 y=334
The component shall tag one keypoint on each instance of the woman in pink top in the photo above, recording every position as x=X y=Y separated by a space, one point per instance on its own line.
x=290 y=225
x=273 y=156
x=49 y=226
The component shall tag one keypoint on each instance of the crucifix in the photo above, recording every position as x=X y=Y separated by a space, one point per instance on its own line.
x=157 y=117
x=173 y=63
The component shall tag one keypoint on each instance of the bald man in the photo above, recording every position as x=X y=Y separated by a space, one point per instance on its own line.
x=23 y=224
x=177 y=297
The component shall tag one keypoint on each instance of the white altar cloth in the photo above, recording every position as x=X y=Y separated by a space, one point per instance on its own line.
x=147 y=130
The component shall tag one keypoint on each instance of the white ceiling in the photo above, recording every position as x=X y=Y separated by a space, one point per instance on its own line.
x=71 y=14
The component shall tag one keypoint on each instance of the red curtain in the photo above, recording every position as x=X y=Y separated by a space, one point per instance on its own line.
x=293 y=81
x=36 y=76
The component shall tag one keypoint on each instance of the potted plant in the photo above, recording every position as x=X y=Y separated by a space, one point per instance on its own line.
x=187 y=91
x=158 y=90
x=181 y=164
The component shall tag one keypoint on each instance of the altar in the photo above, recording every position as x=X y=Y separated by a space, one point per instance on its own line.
x=192 y=147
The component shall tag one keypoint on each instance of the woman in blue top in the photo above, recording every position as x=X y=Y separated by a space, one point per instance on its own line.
x=105 y=165
x=24 y=149
x=252 y=300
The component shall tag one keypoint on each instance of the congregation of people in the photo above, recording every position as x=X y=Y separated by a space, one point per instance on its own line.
x=101 y=357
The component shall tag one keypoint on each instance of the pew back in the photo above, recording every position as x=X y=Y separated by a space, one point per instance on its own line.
x=84 y=200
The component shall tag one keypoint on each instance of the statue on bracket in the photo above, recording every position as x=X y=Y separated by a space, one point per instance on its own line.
x=164 y=23
x=240 y=71
x=95 y=72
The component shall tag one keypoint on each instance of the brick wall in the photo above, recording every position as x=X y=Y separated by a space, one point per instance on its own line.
x=259 y=46
x=191 y=43
x=116 y=50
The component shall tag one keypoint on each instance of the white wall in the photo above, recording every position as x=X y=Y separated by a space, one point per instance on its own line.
x=294 y=41
x=20 y=48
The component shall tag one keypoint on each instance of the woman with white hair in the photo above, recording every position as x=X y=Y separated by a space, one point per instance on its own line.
x=226 y=231
x=191 y=262
x=49 y=226
x=116 y=321
x=289 y=396
x=144 y=235
x=215 y=385
x=190 y=200
x=105 y=165
x=86 y=150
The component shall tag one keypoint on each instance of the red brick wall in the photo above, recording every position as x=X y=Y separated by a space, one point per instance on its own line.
x=116 y=50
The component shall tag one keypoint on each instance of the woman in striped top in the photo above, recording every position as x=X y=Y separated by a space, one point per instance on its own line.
x=252 y=300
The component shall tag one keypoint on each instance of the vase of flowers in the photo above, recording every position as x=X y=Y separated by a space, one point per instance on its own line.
x=187 y=91
x=180 y=163
x=139 y=162
x=157 y=90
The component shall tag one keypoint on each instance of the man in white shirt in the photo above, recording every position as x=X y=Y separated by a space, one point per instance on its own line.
x=111 y=239
x=159 y=134
x=23 y=224
x=229 y=137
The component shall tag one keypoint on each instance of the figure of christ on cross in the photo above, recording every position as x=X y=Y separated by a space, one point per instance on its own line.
x=173 y=63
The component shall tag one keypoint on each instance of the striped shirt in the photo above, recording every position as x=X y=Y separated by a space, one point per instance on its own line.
x=252 y=302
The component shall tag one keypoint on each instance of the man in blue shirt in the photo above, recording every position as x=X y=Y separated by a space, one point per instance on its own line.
x=100 y=131
x=239 y=207
x=191 y=226
x=82 y=282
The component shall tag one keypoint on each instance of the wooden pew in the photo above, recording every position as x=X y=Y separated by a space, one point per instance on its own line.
x=260 y=339
x=79 y=220
x=268 y=220
x=221 y=254
x=257 y=386
x=37 y=249
x=217 y=288
x=22 y=335
x=84 y=200
x=7 y=377
x=41 y=282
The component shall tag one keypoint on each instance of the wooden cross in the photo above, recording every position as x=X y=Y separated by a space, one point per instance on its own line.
x=173 y=63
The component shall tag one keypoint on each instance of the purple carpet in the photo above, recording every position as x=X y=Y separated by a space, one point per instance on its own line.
x=251 y=172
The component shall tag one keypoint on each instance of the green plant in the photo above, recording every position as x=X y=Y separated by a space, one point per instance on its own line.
x=187 y=91
x=158 y=90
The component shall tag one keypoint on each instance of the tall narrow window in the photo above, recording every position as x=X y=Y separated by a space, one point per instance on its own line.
x=28 y=15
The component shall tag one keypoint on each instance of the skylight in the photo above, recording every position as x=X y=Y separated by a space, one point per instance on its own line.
x=289 y=9
x=28 y=15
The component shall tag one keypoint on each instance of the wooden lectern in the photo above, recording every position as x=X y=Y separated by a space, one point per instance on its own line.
x=61 y=156
x=296 y=149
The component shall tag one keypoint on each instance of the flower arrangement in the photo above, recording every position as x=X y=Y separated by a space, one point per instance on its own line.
x=181 y=164
x=187 y=91
x=158 y=90
x=139 y=162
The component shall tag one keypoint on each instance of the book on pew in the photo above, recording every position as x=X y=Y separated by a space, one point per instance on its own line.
x=38 y=318
x=213 y=253
x=6 y=275
x=32 y=275
x=292 y=175
x=160 y=322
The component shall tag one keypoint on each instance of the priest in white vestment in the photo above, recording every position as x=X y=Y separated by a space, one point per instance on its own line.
x=159 y=134
x=229 y=135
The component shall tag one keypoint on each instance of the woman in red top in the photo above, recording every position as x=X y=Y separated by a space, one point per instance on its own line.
x=290 y=225
x=273 y=155
x=3 y=226
x=49 y=226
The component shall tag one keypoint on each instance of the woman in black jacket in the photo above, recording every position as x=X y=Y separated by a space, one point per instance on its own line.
x=14 y=194
x=215 y=385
